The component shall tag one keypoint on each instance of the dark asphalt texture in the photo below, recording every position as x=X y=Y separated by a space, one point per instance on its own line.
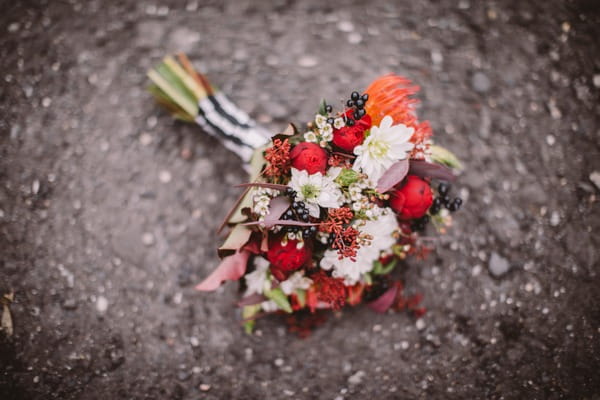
x=108 y=208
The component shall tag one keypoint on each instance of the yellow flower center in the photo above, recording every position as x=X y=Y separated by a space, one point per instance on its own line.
x=378 y=149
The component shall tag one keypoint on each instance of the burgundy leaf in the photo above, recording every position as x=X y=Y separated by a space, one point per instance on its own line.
x=251 y=300
x=385 y=301
x=282 y=222
x=231 y=268
x=392 y=176
x=425 y=169
x=263 y=185
x=277 y=206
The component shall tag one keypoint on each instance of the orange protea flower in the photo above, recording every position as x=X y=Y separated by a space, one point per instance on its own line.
x=392 y=95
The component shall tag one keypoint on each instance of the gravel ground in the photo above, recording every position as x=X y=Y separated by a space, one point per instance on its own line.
x=108 y=208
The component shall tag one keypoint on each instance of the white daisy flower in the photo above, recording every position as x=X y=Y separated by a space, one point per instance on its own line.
x=316 y=190
x=339 y=123
x=321 y=121
x=381 y=231
x=296 y=281
x=385 y=145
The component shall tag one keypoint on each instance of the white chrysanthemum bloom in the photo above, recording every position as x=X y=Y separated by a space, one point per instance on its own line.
x=385 y=145
x=339 y=123
x=258 y=281
x=296 y=281
x=316 y=190
x=310 y=137
x=381 y=231
x=320 y=120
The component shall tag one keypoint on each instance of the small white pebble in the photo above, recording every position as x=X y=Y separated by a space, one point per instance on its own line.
x=404 y=345
x=101 y=304
x=145 y=139
x=194 y=341
x=345 y=26
x=148 y=239
x=377 y=328
x=165 y=176
x=46 y=102
x=308 y=61
x=420 y=324
x=204 y=387
x=279 y=362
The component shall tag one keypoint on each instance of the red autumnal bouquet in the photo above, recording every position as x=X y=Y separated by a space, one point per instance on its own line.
x=331 y=209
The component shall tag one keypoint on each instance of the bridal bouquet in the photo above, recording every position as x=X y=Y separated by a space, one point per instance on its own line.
x=332 y=208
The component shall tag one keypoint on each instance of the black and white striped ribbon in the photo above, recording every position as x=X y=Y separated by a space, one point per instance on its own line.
x=232 y=126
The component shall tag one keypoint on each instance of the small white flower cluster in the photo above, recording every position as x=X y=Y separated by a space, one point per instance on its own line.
x=361 y=202
x=380 y=233
x=324 y=133
x=422 y=151
x=261 y=199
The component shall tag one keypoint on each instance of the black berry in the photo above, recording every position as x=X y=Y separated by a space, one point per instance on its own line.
x=350 y=103
x=350 y=122
x=354 y=96
x=444 y=188
x=365 y=97
x=328 y=108
x=359 y=103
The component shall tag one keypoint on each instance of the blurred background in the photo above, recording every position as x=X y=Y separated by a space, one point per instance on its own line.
x=108 y=208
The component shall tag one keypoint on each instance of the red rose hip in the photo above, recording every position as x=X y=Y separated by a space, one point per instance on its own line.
x=413 y=199
x=348 y=137
x=287 y=256
x=309 y=157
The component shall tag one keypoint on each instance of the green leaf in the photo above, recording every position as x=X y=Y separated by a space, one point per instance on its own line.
x=301 y=295
x=247 y=313
x=176 y=94
x=368 y=279
x=445 y=157
x=322 y=106
x=280 y=299
x=347 y=177
x=381 y=269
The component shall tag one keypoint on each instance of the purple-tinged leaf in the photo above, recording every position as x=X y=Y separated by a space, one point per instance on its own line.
x=385 y=301
x=277 y=206
x=263 y=185
x=282 y=222
x=251 y=300
x=345 y=155
x=392 y=176
x=425 y=169
x=231 y=268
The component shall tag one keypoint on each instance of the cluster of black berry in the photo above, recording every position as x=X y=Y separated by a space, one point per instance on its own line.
x=358 y=102
x=297 y=212
x=444 y=200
